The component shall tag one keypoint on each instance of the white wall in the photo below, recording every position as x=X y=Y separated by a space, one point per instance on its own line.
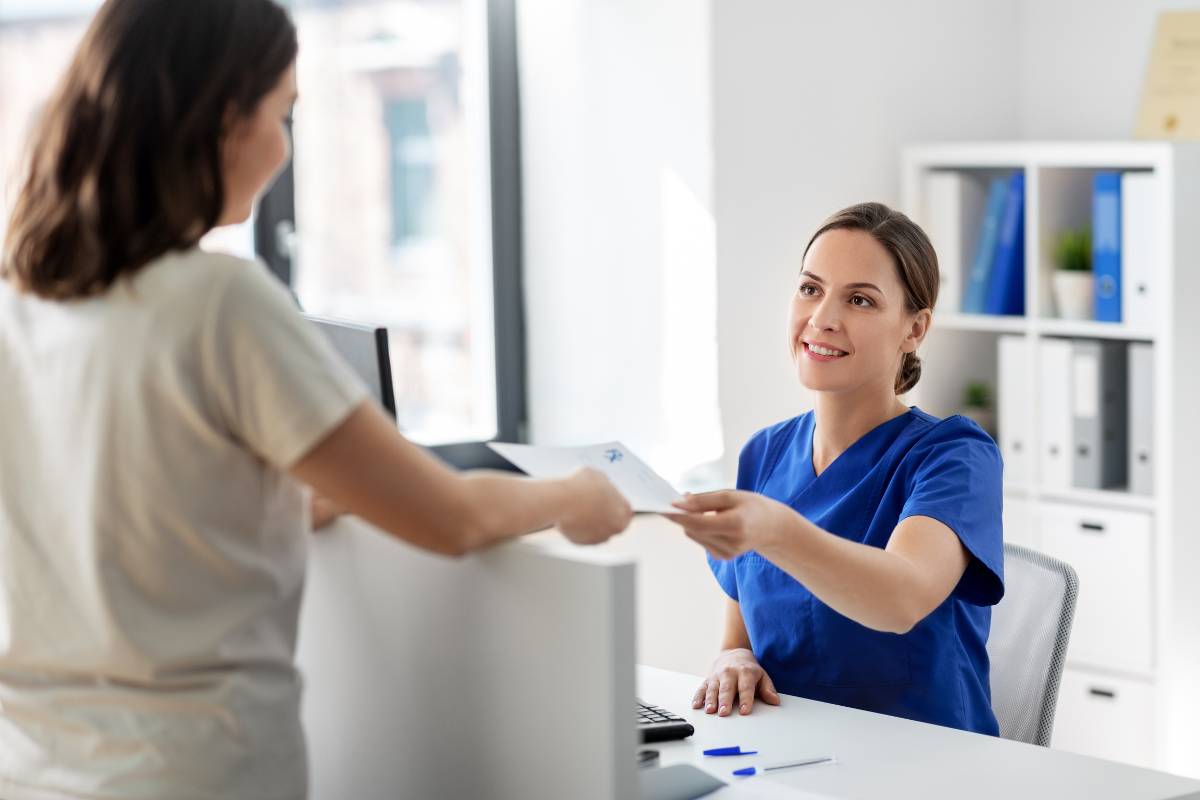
x=619 y=258
x=1083 y=63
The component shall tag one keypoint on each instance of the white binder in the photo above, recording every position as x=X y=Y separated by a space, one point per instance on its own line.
x=1141 y=258
x=1141 y=418
x=1099 y=400
x=1016 y=367
x=1054 y=453
x=951 y=217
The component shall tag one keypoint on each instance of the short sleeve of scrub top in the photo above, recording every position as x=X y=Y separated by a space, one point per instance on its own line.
x=956 y=481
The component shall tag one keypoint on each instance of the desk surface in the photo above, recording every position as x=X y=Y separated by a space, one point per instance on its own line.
x=882 y=756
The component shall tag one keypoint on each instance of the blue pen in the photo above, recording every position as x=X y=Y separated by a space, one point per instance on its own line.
x=736 y=750
x=745 y=771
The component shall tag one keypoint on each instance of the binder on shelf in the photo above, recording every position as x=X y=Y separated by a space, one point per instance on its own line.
x=1006 y=283
x=1015 y=411
x=954 y=206
x=1141 y=418
x=975 y=291
x=1099 y=410
x=1106 y=245
x=1140 y=254
x=1054 y=454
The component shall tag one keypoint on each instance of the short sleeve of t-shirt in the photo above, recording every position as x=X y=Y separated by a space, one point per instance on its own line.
x=958 y=480
x=278 y=382
x=750 y=466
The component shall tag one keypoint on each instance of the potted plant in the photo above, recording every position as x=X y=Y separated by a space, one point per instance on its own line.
x=977 y=406
x=1073 y=292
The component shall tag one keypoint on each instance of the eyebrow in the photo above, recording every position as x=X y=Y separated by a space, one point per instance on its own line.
x=860 y=285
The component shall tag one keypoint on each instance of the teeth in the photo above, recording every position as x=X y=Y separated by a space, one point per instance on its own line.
x=821 y=351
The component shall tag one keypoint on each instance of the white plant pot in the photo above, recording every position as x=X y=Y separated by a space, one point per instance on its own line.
x=1074 y=295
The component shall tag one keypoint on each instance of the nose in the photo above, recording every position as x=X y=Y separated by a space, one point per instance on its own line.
x=825 y=316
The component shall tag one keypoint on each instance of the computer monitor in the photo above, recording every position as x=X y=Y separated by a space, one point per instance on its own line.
x=508 y=674
x=365 y=348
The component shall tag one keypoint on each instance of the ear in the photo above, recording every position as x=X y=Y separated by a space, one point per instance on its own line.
x=918 y=328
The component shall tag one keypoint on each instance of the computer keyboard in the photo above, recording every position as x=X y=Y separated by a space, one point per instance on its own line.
x=659 y=725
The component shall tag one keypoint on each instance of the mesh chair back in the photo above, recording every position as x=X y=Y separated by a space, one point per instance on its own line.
x=1028 y=642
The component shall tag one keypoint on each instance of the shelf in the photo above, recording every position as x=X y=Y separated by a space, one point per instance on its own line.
x=1104 y=498
x=987 y=323
x=1087 y=329
x=1077 y=329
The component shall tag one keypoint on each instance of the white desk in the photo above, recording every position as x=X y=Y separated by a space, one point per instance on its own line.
x=886 y=757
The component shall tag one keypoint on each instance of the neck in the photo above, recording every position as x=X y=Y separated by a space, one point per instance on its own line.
x=844 y=418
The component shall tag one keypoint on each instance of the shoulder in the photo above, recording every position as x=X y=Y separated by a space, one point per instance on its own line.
x=191 y=277
x=954 y=438
x=764 y=439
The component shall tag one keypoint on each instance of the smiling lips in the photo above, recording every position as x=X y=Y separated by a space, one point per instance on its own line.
x=823 y=352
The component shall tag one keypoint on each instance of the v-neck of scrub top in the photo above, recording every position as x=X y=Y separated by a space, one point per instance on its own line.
x=843 y=473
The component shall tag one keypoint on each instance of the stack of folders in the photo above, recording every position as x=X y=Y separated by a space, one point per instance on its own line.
x=1095 y=413
x=1125 y=257
x=977 y=228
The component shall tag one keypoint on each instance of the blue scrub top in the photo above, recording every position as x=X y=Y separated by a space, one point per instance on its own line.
x=912 y=465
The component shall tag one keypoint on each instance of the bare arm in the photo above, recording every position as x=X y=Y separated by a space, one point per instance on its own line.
x=367 y=468
x=735 y=627
x=888 y=589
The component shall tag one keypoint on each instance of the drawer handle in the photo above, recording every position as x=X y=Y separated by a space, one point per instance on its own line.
x=1108 y=694
x=1092 y=527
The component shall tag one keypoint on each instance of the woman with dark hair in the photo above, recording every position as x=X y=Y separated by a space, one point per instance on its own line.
x=161 y=407
x=862 y=550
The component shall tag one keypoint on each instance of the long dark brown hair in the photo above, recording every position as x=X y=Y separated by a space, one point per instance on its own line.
x=125 y=163
x=912 y=253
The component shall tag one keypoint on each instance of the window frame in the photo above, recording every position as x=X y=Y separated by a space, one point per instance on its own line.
x=274 y=228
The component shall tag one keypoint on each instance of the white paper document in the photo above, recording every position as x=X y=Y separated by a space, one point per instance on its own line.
x=644 y=488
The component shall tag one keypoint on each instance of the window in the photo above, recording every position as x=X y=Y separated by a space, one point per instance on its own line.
x=404 y=190
x=401 y=206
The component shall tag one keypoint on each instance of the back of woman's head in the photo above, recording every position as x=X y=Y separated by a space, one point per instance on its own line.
x=126 y=159
x=912 y=253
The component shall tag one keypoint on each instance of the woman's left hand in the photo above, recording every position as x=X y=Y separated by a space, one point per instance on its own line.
x=728 y=523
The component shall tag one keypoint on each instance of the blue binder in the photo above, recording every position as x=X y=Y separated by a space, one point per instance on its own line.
x=975 y=292
x=1006 y=285
x=1106 y=245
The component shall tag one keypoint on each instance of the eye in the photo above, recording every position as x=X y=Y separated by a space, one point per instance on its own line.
x=861 y=300
x=808 y=289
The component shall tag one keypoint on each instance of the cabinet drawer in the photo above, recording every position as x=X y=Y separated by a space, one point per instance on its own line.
x=1112 y=551
x=1110 y=718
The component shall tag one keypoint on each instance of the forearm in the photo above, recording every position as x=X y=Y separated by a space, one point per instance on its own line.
x=505 y=506
x=735 y=635
x=874 y=587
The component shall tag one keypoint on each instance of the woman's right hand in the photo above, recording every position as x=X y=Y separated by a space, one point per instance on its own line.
x=736 y=676
x=597 y=510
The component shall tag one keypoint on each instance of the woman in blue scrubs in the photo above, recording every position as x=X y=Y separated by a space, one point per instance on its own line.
x=862 y=550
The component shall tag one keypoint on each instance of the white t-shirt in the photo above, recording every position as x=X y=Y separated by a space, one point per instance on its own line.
x=152 y=545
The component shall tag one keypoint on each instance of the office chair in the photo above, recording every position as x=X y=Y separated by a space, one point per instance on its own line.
x=1028 y=642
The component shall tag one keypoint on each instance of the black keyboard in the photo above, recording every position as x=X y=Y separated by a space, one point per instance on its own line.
x=659 y=725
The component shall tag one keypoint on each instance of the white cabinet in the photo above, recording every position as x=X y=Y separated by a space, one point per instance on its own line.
x=1112 y=552
x=1105 y=717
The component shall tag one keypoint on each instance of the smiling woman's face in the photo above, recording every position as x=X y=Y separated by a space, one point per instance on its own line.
x=849 y=326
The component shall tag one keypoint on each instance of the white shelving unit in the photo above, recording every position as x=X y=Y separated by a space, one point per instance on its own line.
x=1131 y=688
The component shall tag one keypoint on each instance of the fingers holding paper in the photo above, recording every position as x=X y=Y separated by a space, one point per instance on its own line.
x=598 y=509
x=729 y=523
